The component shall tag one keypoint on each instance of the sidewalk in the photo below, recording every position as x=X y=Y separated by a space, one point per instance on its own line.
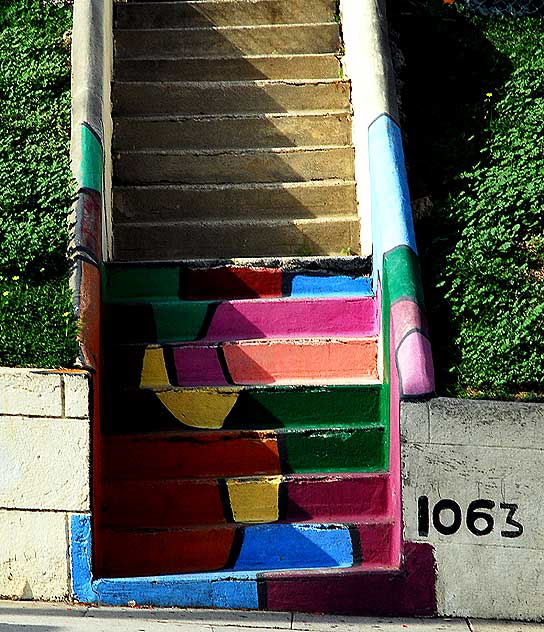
x=16 y=616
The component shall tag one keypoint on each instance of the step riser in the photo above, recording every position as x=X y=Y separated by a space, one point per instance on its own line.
x=238 y=320
x=221 y=98
x=246 y=408
x=245 y=454
x=251 y=548
x=152 y=242
x=171 y=205
x=266 y=362
x=145 y=283
x=233 y=133
x=232 y=42
x=192 y=168
x=174 y=504
x=228 y=68
x=192 y=14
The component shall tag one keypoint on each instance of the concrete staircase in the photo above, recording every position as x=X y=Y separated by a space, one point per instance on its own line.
x=246 y=422
x=232 y=131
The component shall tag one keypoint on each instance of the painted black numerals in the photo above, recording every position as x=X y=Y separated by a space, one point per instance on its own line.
x=447 y=517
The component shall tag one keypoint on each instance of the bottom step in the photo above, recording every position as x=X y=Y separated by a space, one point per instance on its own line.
x=253 y=548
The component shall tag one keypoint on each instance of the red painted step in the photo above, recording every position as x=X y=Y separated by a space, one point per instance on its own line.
x=289 y=498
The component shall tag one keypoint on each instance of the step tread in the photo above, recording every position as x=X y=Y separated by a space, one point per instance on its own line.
x=258 y=223
x=238 y=151
x=211 y=29
x=239 y=83
x=328 y=182
x=164 y=118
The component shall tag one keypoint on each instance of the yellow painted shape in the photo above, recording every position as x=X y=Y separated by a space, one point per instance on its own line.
x=154 y=371
x=254 y=500
x=200 y=409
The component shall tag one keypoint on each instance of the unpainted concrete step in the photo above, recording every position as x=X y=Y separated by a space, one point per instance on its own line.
x=238 y=131
x=151 y=15
x=202 y=239
x=206 y=97
x=285 y=164
x=232 y=41
x=251 y=202
x=174 y=503
x=250 y=67
x=318 y=66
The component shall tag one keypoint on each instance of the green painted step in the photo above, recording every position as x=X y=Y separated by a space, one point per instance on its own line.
x=250 y=407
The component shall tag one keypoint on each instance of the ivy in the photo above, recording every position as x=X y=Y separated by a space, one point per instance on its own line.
x=36 y=188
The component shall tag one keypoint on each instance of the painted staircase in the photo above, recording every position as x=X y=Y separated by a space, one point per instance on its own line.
x=246 y=434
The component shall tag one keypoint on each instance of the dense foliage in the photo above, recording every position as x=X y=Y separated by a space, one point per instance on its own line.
x=473 y=103
x=36 y=190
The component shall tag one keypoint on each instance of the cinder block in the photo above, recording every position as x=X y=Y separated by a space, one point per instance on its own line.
x=33 y=555
x=44 y=464
x=30 y=392
x=76 y=395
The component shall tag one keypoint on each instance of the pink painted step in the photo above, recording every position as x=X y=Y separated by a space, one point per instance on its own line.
x=287 y=317
x=262 y=362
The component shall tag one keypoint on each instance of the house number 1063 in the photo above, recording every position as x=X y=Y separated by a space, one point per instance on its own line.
x=446 y=517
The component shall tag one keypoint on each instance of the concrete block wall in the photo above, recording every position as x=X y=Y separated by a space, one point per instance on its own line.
x=44 y=478
x=473 y=489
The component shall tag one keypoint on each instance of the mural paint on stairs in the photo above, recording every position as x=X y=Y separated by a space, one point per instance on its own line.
x=163 y=321
x=303 y=361
x=155 y=502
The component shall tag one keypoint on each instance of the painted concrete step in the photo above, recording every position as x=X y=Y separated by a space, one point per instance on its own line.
x=217 y=204
x=235 y=453
x=319 y=361
x=343 y=278
x=254 y=408
x=132 y=553
x=232 y=41
x=403 y=587
x=151 y=15
x=149 y=241
x=253 y=130
x=223 y=97
x=161 y=504
x=213 y=321
x=217 y=166
x=314 y=66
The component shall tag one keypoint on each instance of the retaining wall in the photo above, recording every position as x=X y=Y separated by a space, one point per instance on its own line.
x=44 y=478
x=473 y=487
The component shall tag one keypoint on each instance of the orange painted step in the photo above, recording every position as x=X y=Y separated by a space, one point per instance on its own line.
x=254 y=362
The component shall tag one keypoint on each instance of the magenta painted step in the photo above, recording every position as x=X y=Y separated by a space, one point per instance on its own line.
x=160 y=504
x=295 y=361
x=284 y=318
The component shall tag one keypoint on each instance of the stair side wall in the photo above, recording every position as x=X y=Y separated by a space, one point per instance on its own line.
x=45 y=478
x=482 y=460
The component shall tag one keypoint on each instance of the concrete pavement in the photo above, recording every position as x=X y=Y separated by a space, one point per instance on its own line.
x=16 y=616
